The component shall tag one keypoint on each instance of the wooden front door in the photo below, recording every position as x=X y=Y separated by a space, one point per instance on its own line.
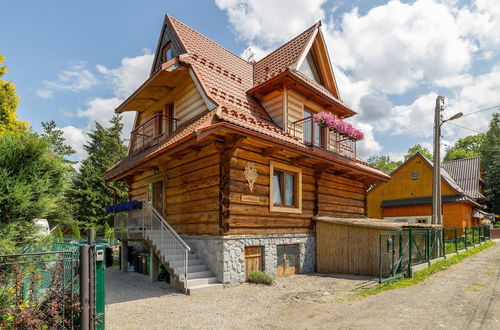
x=158 y=196
x=253 y=260
x=288 y=259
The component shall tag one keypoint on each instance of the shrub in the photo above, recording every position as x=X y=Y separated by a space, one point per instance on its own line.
x=260 y=278
x=496 y=225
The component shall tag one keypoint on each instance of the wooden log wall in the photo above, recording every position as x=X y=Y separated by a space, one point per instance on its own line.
x=206 y=192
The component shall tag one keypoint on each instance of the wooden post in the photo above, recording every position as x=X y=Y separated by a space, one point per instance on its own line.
x=124 y=256
x=153 y=265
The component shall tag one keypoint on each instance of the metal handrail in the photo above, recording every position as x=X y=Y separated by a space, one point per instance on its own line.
x=149 y=219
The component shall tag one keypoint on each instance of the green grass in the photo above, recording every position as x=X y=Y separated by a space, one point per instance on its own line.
x=423 y=274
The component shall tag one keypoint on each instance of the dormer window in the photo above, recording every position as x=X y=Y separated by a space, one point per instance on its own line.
x=310 y=69
x=166 y=52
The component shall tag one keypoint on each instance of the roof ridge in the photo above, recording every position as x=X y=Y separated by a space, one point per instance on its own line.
x=461 y=159
x=207 y=38
x=316 y=25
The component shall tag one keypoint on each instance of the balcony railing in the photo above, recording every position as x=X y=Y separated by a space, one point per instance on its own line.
x=313 y=134
x=153 y=131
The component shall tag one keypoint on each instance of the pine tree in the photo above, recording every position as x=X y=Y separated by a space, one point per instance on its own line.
x=56 y=139
x=89 y=195
x=8 y=106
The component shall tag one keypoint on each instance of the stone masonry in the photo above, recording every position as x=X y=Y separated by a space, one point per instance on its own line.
x=225 y=255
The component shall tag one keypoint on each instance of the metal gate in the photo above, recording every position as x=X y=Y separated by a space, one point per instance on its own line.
x=39 y=290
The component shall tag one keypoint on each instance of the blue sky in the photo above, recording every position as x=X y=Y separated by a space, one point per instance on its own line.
x=73 y=62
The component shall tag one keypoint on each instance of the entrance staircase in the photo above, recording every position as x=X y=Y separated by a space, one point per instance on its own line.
x=187 y=271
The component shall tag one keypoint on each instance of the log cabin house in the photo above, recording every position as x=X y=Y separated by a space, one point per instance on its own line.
x=408 y=196
x=232 y=159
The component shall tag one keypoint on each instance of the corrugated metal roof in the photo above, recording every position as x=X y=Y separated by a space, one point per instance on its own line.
x=425 y=200
x=458 y=170
x=467 y=174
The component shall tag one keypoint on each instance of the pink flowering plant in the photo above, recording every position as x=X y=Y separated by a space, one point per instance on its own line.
x=335 y=124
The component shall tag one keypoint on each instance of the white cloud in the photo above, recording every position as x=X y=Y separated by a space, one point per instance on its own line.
x=368 y=146
x=44 y=93
x=77 y=78
x=99 y=109
x=397 y=46
x=75 y=138
x=480 y=21
x=132 y=72
x=270 y=22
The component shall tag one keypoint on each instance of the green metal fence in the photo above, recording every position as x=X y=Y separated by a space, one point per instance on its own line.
x=399 y=251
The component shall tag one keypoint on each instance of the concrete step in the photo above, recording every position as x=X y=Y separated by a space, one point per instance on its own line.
x=200 y=281
x=175 y=257
x=202 y=274
x=179 y=263
x=191 y=269
x=204 y=288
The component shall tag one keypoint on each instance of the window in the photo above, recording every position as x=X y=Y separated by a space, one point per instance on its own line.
x=310 y=69
x=286 y=188
x=166 y=52
x=414 y=175
x=421 y=220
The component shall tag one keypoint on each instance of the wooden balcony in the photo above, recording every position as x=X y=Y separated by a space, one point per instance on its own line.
x=314 y=135
x=152 y=132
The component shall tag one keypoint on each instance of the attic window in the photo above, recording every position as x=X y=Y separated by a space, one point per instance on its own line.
x=166 y=52
x=414 y=175
x=310 y=69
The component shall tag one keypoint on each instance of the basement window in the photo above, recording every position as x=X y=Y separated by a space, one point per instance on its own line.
x=285 y=188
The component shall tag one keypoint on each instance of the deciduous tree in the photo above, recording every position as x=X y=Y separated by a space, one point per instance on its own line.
x=8 y=106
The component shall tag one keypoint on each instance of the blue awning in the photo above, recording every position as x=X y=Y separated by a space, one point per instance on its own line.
x=124 y=207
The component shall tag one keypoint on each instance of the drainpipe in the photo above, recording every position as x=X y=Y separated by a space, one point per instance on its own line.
x=106 y=183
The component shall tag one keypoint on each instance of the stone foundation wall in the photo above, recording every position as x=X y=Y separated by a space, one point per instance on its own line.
x=225 y=255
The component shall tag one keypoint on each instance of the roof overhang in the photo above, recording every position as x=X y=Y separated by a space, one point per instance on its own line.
x=155 y=87
x=290 y=79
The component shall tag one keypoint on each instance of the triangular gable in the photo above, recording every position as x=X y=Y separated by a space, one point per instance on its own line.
x=316 y=54
x=167 y=35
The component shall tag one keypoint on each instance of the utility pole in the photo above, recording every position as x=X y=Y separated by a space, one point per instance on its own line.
x=436 y=175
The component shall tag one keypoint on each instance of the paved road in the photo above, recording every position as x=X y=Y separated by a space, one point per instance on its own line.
x=466 y=296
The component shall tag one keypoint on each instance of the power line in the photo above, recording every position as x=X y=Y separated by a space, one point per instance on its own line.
x=491 y=108
x=470 y=129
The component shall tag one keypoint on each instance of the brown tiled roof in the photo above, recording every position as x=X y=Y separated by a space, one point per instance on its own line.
x=226 y=78
x=146 y=154
x=282 y=58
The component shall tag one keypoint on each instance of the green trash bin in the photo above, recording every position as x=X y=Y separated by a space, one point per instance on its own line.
x=148 y=263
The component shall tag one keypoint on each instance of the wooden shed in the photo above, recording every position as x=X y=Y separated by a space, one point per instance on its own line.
x=350 y=246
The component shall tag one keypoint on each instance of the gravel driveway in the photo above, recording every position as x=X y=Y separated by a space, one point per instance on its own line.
x=467 y=296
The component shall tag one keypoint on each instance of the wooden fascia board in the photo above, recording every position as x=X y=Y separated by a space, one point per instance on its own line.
x=329 y=62
x=338 y=160
x=306 y=49
x=160 y=39
x=209 y=102
x=169 y=66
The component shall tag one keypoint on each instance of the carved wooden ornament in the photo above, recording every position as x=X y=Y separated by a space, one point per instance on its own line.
x=251 y=174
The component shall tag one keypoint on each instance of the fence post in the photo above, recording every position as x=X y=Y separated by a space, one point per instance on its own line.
x=428 y=245
x=380 y=258
x=409 y=251
x=91 y=238
x=456 y=240
x=443 y=242
x=465 y=236
x=84 y=287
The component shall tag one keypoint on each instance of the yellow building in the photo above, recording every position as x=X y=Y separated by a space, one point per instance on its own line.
x=408 y=196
